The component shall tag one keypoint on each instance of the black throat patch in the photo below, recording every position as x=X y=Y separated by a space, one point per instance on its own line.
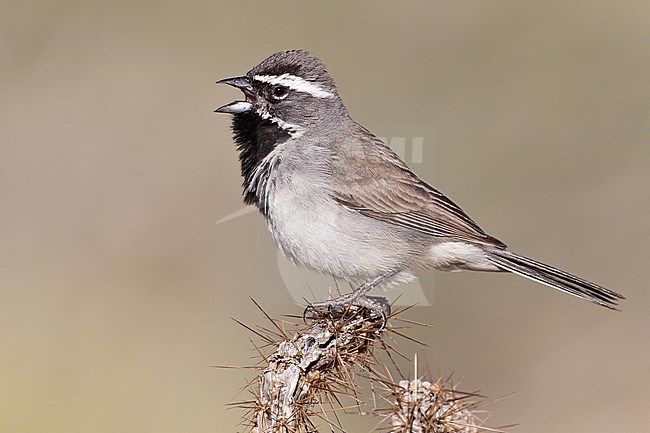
x=255 y=138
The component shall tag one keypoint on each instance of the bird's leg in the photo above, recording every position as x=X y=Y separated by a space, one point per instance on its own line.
x=358 y=297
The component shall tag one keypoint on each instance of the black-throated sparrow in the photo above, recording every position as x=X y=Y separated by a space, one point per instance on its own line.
x=339 y=201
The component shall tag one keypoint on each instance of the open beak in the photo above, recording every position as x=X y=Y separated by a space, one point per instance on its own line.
x=237 y=107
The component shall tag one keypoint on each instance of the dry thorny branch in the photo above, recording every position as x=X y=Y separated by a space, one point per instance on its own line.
x=312 y=368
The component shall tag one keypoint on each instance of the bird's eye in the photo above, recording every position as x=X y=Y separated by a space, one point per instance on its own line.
x=279 y=92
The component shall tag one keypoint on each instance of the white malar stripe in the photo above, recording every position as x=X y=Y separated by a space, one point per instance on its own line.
x=295 y=83
x=295 y=131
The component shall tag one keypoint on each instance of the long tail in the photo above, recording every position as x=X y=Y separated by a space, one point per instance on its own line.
x=554 y=277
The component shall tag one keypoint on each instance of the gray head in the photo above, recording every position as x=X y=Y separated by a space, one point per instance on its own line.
x=287 y=96
x=290 y=88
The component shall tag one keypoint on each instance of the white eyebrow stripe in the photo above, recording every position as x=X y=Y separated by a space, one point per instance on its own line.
x=295 y=83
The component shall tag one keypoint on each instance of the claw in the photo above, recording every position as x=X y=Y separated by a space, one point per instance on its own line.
x=376 y=305
x=306 y=312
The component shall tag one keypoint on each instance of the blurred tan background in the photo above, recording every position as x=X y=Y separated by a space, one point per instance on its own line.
x=117 y=287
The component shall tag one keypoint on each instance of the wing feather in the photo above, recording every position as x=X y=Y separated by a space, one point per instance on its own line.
x=394 y=194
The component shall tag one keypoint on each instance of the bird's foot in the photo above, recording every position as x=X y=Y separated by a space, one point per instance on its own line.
x=338 y=307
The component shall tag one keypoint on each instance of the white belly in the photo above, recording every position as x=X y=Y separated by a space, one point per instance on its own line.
x=314 y=231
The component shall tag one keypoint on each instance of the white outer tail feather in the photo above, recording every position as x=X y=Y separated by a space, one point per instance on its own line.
x=553 y=277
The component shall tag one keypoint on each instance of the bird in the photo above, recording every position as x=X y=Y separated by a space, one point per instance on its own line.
x=338 y=200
